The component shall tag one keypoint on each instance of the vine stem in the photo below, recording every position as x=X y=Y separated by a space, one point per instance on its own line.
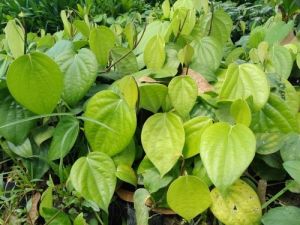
x=275 y=197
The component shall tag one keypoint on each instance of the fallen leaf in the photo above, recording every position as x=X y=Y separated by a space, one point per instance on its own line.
x=202 y=83
x=33 y=213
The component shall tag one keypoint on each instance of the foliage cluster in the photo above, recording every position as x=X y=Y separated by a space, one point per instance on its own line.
x=171 y=115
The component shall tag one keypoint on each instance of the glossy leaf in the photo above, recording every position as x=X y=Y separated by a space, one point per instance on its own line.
x=243 y=81
x=10 y=111
x=64 y=138
x=226 y=149
x=240 y=205
x=36 y=82
x=275 y=116
x=152 y=96
x=241 y=112
x=86 y=173
x=188 y=196
x=126 y=174
x=193 y=129
x=163 y=139
x=102 y=40
x=183 y=92
x=282 y=216
x=127 y=156
x=155 y=54
x=79 y=69
x=118 y=119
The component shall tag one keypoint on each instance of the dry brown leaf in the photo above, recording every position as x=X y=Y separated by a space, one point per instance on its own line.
x=290 y=38
x=146 y=79
x=34 y=213
x=202 y=83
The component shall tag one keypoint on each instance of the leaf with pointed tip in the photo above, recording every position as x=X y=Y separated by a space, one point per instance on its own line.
x=226 y=149
x=163 y=140
x=155 y=53
x=126 y=174
x=15 y=37
x=118 y=119
x=94 y=178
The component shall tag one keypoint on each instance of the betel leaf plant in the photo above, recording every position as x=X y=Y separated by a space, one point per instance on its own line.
x=175 y=118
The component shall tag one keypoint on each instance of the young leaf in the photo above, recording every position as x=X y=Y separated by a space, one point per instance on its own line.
x=15 y=38
x=183 y=92
x=193 y=130
x=282 y=216
x=240 y=205
x=152 y=96
x=64 y=138
x=243 y=81
x=102 y=40
x=185 y=55
x=290 y=150
x=10 y=112
x=36 y=82
x=166 y=8
x=141 y=210
x=221 y=26
x=155 y=54
x=119 y=122
x=127 y=156
x=188 y=196
x=163 y=140
x=86 y=174
x=226 y=149
x=130 y=34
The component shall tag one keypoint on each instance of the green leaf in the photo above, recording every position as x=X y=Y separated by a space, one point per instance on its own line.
x=46 y=201
x=243 y=81
x=141 y=210
x=55 y=216
x=280 y=61
x=82 y=27
x=10 y=112
x=290 y=150
x=208 y=53
x=15 y=37
x=130 y=34
x=24 y=150
x=86 y=173
x=268 y=143
x=193 y=130
x=184 y=200
x=112 y=111
x=241 y=112
x=275 y=116
x=282 y=216
x=163 y=139
x=291 y=97
x=155 y=54
x=152 y=96
x=127 y=86
x=153 y=181
x=79 y=220
x=185 y=55
x=298 y=60
x=293 y=169
x=127 y=156
x=127 y=174
x=221 y=26
x=278 y=31
x=166 y=8
x=66 y=23
x=102 y=40
x=36 y=82
x=241 y=205
x=183 y=92
x=226 y=149
x=126 y=65
x=64 y=138
x=79 y=69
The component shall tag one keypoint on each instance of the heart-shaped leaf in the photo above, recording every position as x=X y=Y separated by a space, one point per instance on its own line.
x=94 y=178
x=243 y=81
x=226 y=149
x=118 y=119
x=156 y=44
x=163 y=140
x=188 y=196
x=285 y=215
x=36 y=82
x=239 y=206
x=183 y=92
